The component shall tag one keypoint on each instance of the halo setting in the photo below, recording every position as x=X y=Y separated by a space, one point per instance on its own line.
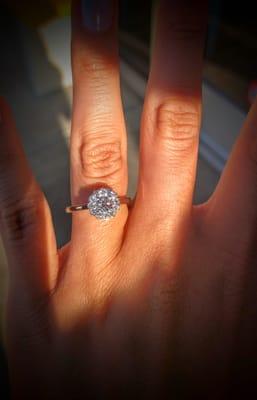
x=103 y=203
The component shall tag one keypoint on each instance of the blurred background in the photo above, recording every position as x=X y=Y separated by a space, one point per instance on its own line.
x=35 y=78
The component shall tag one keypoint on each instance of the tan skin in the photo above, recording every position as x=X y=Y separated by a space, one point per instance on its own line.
x=160 y=301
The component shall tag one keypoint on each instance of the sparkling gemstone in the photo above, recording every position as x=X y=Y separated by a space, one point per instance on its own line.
x=103 y=203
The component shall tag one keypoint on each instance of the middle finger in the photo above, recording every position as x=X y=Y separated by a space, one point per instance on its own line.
x=171 y=117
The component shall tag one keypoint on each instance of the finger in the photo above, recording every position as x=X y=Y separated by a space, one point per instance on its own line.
x=98 y=141
x=26 y=224
x=171 y=115
x=232 y=209
x=231 y=213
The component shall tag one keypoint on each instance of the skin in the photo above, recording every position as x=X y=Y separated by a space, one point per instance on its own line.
x=159 y=302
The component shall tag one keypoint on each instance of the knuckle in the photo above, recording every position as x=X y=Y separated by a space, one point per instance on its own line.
x=96 y=67
x=177 y=124
x=187 y=24
x=93 y=67
x=100 y=159
x=185 y=31
x=20 y=217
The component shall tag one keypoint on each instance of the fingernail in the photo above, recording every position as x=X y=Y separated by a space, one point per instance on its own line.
x=97 y=14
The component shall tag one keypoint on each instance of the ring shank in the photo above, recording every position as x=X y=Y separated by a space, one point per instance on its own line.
x=81 y=207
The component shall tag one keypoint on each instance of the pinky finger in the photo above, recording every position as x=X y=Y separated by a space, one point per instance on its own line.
x=232 y=208
x=25 y=220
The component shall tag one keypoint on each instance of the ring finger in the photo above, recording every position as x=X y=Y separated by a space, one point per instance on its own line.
x=98 y=138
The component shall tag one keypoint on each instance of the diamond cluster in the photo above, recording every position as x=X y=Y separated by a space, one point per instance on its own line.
x=103 y=203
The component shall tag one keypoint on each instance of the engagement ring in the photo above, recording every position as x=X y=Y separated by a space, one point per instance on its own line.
x=102 y=203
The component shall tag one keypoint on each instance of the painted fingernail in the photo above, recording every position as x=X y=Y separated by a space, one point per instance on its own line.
x=97 y=14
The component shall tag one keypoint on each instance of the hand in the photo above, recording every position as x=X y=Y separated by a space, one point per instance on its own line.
x=161 y=299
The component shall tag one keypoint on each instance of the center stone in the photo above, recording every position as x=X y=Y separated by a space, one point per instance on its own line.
x=103 y=203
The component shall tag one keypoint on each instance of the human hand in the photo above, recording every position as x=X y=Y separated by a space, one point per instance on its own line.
x=161 y=299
